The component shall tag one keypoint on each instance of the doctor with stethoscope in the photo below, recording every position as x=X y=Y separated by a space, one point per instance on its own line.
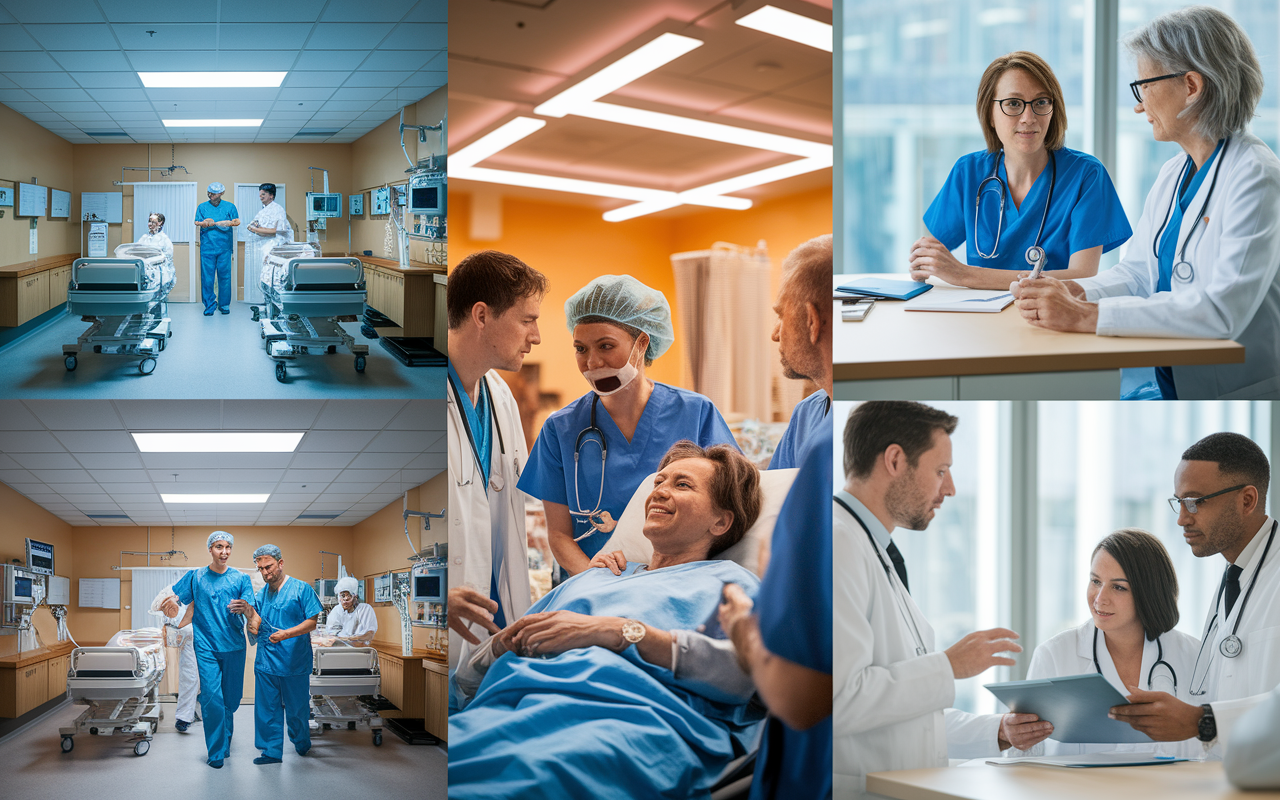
x=1219 y=491
x=493 y=304
x=1204 y=257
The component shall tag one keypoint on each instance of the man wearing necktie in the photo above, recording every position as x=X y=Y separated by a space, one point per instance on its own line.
x=1220 y=490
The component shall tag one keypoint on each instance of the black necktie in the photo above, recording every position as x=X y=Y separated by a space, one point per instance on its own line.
x=900 y=566
x=1233 y=586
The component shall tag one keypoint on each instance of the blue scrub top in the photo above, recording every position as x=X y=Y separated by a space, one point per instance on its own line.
x=794 y=609
x=216 y=628
x=1085 y=212
x=810 y=416
x=670 y=415
x=216 y=240
x=478 y=421
x=296 y=601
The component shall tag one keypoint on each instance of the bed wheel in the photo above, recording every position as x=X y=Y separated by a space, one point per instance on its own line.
x=169 y=335
x=141 y=748
x=70 y=361
x=163 y=342
x=67 y=744
x=359 y=363
x=377 y=738
x=368 y=332
x=280 y=372
x=333 y=348
x=93 y=731
x=256 y=316
x=147 y=366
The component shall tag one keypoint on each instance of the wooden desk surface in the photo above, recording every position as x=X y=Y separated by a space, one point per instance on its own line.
x=894 y=343
x=20 y=660
x=415 y=267
x=418 y=654
x=1191 y=780
x=25 y=268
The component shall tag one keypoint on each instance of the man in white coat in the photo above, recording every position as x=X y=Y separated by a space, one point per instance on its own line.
x=1220 y=490
x=893 y=689
x=493 y=303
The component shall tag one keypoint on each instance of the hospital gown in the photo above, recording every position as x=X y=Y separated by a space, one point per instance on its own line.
x=594 y=723
x=670 y=415
x=361 y=623
x=166 y=274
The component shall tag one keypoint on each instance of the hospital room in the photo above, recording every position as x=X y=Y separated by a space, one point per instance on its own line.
x=1050 y=185
x=641 y=198
x=329 y=514
x=1100 y=578
x=175 y=180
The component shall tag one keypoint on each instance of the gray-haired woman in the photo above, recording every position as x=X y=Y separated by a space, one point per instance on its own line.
x=1204 y=255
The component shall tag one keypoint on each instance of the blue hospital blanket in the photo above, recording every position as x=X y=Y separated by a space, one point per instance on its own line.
x=594 y=723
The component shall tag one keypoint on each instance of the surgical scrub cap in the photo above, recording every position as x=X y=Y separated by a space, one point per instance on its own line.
x=267 y=550
x=347 y=584
x=624 y=299
x=216 y=187
x=220 y=536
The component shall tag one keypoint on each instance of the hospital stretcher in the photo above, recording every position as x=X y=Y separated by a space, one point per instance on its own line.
x=306 y=296
x=119 y=684
x=126 y=299
x=340 y=676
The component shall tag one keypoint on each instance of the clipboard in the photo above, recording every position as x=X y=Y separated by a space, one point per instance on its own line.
x=1077 y=705
x=886 y=289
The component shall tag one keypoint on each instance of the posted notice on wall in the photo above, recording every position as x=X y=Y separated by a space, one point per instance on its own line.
x=99 y=592
x=35 y=240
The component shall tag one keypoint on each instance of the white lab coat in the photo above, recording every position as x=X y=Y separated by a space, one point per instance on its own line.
x=476 y=516
x=1253 y=760
x=1234 y=293
x=362 y=622
x=891 y=707
x=1071 y=653
x=188 y=673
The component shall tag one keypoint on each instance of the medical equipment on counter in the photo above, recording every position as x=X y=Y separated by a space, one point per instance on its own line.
x=322 y=205
x=430 y=582
x=1035 y=253
x=341 y=677
x=428 y=194
x=23 y=591
x=119 y=684
x=39 y=557
x=125 y=296
x=306 y=297
x=1187 y=275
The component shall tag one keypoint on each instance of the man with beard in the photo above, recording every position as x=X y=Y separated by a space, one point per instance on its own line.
x=892 y=688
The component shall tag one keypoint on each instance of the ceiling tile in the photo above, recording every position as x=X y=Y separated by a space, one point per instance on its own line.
x=276 y=11
x=329 y=59
x=420 y=415
x=348 y=35
x=11 y=62
x=360 y=414
x=326 y=460
x=43 y=80
x=29 y=442
x=366 y=95
x=61 y=106
x=417 y=36
x=381 y=460
x=133 y=11
x=84 y=10
x=7 y=462
x=379 y=10
x=404 y=441
x=166 y=37
x=113 y=82
x=171 y=60
x=32 y=461
x=353 y=107
x=329 y=441
x=91 y=441
x=58 y=476
x=256 y=36
x=249 y=415
x=12 y=37
x=11 y=96
x=256 y=60
x=48 y=96
x=361 y=78
x=73 y=36
x=135 y=477
x=109 y=460
x=391 y=60
x=21 y=476
x=312 y=477
x=429 y=11
x=78 y=415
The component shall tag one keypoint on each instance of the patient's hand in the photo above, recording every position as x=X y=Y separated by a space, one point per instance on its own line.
x=734 y=607
x=550 y=633
x=468 y=605
x=616 y=562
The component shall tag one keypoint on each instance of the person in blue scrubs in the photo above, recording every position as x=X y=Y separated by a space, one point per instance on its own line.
x=283 y=621
x=215 y=219
x=786 y=646
x=1059 y=199
x=619 y=327
x=803 y=334
x=220 y=594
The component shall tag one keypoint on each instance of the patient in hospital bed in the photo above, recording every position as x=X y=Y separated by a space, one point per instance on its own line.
x=586 y=695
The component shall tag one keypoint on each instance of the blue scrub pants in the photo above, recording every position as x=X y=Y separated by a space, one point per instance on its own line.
x=215 y=265
x=269 y=694
x=221 y=687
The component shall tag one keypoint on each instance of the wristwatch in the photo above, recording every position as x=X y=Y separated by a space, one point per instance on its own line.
x=1208 y=725
x=632 y=631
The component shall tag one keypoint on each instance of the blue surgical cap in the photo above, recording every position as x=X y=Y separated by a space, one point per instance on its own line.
x=216 y=187
x=623 y=299
x=267 y=550
x=222 y=536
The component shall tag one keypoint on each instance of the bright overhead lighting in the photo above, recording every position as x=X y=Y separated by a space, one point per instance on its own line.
x=188 y=499
x=218 y=442
x=593 y=188
x=663 y=50
x=714 y=131
x=212 y=80
x=495 y=141
x=714 y=192
x=789 y=25
x=212 y=123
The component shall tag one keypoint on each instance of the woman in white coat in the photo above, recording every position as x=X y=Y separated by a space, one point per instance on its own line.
x=1129 y=638
x=1203 y=259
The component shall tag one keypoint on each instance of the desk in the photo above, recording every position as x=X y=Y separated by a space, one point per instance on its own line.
x=901 y=355
x=1190 y=780
x=31 y=288
x=32 y=678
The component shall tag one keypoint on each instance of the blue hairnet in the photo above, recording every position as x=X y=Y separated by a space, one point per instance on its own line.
x=267 y=550
x=215 y=188
x=624 y=299
x=220 y=536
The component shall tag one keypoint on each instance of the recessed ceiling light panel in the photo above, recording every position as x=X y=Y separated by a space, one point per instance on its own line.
x=218 y=442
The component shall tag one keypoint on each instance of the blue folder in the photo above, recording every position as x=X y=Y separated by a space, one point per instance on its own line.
x=887 y=289
x=1077 y=705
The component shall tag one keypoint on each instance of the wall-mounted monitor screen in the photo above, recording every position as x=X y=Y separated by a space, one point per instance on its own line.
x=39 y=557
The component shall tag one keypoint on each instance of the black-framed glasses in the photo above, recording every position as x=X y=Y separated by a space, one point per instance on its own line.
x=1136 y=87
x=1013 y=106
x=1190 y=503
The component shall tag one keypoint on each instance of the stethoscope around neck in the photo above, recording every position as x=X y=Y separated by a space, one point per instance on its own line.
x=496 y=481
x=1035 y=253
x=585 y=436
x=888 y=573
x=1151 y=672
x=1182 y=269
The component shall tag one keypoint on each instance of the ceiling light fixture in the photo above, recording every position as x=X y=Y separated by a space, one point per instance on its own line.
x=212 y=80
x=212 y=123
x=218 y=442
x=663 y=50
x=190 y=499
x=789 y=25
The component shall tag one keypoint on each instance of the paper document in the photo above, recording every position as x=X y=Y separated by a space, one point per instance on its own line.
x=980 y=301
x=1088 y=760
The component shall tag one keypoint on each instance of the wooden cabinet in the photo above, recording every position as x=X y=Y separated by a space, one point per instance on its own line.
x=413 y=300
x=392 y=670
x=436 y=719
x=58 y=676
x=29 y=289
x=33 y=296
x=58 y=279
x=401 y=682
x=29 y=679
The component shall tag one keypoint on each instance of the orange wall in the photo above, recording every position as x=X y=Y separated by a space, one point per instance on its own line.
x=26 y=151
x=22 y=519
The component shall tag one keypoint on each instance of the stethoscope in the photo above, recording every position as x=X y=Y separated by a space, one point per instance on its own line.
x=888 y=573
x=496 y=481
x=1151 y=672
x=585 y=434
x=1035 y=253
x=1179 y=273
x=1230 y=646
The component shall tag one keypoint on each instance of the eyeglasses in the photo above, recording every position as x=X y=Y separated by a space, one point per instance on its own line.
x=1136 y=87
x=1190 y=503
x=1013 y=107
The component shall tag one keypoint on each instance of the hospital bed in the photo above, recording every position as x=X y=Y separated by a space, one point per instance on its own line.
x=340 y=676
x=306 y=296
x=126 y=299
x=119 y=684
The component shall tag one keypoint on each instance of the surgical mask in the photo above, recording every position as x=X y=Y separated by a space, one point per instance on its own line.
x=611 y=380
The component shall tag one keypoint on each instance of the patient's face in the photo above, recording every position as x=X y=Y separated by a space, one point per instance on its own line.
x=679 y=511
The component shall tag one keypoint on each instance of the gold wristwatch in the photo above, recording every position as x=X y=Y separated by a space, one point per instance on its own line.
x=632 y=631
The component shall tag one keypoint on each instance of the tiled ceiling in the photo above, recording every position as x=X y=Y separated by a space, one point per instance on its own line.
x=72 y=65
x=507 y=57
x=75 y=458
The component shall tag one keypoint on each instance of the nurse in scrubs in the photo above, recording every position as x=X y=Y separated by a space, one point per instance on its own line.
x=591 y=455
x=1024 y=198
x=1129 y=638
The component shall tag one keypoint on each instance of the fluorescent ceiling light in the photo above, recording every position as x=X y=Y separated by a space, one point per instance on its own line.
x=495 y=141
x=214 y=498
x=212 y=80
x=593 y=188
x=789 y=25
x=663 y=50
x=218 y=442
x=212 y=123
x=714 y=131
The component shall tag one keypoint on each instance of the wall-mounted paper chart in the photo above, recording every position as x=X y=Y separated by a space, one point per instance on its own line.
x=99 y=592
x=33 y=200
x=105 y=206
